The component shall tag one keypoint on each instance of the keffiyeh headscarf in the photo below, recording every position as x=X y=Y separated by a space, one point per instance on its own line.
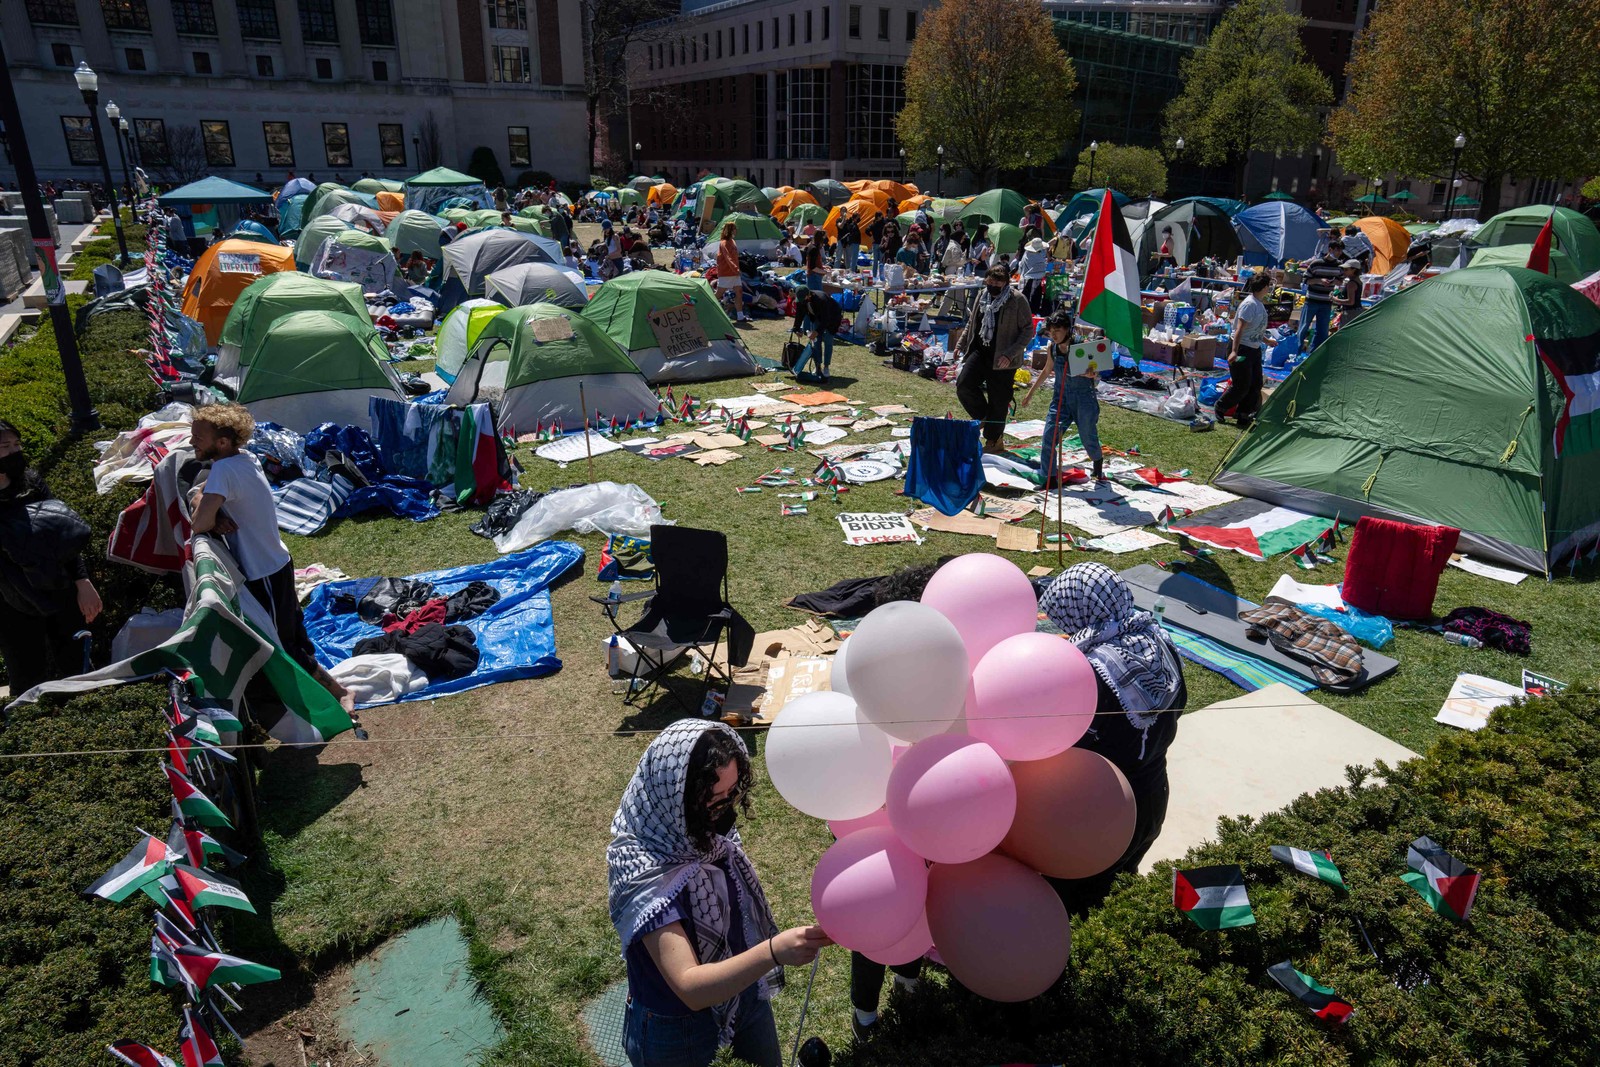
x=651 y=860
x=988 y=306
x=1124 y=645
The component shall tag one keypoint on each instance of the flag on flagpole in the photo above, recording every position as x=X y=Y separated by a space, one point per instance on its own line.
x=205 y=968
x=202 y=888
x=193 y=803
x=1214 y=898
x=137 y=1055
x=1447 y=884
x=195 y=1043
x=1323 y=1002
x=145 y=862
x=1539 y=256
x=1110 y=297
x=1304 y=558
x=1315 y=862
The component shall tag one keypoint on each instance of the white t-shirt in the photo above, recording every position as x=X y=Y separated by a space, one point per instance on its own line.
x=247 y=498
x=1252 y=318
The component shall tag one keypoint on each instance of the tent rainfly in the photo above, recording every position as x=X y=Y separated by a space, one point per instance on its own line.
x=1571 y=232
x=318 y=366
x=471 y=258
x=222 y=272
x=536 y=283
x=268 y=299
x=631 y=308
x=357 y=256
x=429 y=190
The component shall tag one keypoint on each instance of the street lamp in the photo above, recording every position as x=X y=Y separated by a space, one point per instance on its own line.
x=1094 y=147
x=938 y=189
x=637 y=148
x=902 y=166
x=89 y=85
x=1455 y=167
x=1027 y=158
x=114 y=113
x=126 y=131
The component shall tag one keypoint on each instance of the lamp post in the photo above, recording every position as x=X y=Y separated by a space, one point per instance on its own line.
x=1455 y=167
x=1177 y=148
x=126 y=130
x=89 y=85
x=1027 y=158
x=114 y=113
x=902 y=166
x=938 y=189
x=637 y=148
x=1094 y=147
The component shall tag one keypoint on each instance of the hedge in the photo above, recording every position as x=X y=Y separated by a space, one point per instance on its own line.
x=1516 y=985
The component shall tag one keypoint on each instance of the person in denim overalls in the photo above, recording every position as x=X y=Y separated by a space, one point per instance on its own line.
x=1072 y=400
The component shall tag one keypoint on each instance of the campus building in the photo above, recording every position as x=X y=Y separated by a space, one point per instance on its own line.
x=318 y=87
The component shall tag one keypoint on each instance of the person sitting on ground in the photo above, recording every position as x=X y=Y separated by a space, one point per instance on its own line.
x=990 y=351
x=703 y=953
x=821 y=316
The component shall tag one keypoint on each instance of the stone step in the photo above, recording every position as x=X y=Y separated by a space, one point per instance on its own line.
x=34 y=296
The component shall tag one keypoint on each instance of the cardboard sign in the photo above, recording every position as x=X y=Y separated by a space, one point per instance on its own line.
x=1086 y=357
x=876 y=528
x=678 y=331
x=238 y=263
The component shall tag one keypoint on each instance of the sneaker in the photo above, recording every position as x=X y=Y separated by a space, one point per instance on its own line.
x=862 y=1032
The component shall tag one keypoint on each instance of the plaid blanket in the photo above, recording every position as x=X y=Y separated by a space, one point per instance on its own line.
x=1333 y=655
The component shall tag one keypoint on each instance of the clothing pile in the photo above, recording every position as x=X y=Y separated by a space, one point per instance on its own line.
x=455 y=449
x=1492 y=628
x=420 y=626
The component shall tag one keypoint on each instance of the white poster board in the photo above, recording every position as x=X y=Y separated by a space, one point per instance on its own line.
x=876 y=528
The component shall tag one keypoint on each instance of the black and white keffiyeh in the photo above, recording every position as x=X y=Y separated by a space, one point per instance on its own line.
x=1124 y=645
x=651 y=860
x=988 y=307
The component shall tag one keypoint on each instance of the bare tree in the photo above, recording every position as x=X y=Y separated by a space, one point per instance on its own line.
x=609 y=28
x=186 y=157
x=428 y=143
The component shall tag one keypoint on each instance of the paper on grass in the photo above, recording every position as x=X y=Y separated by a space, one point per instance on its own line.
x=571 y=448
x=1128 y=541
x=1472 y=697
x=1296 y=593
x=1483 y=570
x=876 y=528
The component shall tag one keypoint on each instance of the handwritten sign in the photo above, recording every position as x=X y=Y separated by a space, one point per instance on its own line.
x=1086 y=357
x=238 y=263
x=678 y=331
x=876 y=528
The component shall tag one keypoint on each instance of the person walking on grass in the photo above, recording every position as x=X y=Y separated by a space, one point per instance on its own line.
x=704 y=956
x=1243 y=396
x=729 y=279
x=1072 y=400
x=990 y=351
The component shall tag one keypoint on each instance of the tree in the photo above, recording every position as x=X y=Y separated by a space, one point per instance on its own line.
x=185 y=160
x=609 y=28
x=1591 y=189
x=483 y=166
x=1249 y=89
x=1125 y=168
x=429 y=146
x=988 y=80
x=1516 y=78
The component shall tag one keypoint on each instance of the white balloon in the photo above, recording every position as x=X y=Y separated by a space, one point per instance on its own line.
x=836 y=679
x=826 y=760
x=908 y=670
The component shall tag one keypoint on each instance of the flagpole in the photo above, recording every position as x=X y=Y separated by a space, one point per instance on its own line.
x=1061 y=386
x=588 y=450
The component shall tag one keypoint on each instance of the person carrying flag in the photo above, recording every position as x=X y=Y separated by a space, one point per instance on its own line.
x=1072 y=400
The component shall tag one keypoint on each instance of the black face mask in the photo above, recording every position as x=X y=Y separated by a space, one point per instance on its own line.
x=15 y=468
x=723 y=821
x=995 y=290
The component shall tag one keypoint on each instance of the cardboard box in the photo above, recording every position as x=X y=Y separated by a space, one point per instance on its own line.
x=1199 y=353
x=1160 y=352
x=1152 y=316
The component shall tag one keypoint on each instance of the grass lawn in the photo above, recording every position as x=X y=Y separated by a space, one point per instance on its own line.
x=495 y=803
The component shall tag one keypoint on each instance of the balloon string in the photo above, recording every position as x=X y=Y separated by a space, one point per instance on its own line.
x=800 y=1027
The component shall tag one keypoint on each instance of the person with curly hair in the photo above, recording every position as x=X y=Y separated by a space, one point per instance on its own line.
x=703 y=954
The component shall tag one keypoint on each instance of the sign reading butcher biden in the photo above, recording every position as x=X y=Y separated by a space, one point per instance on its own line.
x=876 y=528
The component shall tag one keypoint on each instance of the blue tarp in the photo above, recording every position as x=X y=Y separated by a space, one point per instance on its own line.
x=516 y=637
x=1276 y=230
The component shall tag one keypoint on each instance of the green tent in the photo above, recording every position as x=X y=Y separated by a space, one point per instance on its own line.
x=623 y=306
x=1277 y=194
x=534 y=211
x=629 y=197
x=441 y=176
x=548 y=365
x=311 y=237
x=268 y=299
x=802 y=215
x=459 y=332
x=1417 y=228
x=357 y=256
x=996 y=205
x=318 y=366
x=1004 y=236
x=752 y=233
x=290 y=211
x=1463 y=400
x=415 y=231
x=535 y=226
x=1572 y=233
x=327 y=197
x=1343 y=220
x=378 y=185
x=430 y=189
x=729 y=195
x=1562 y=269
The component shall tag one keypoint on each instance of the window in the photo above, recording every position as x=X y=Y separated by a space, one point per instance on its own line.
x=135 y=58
x=324 y=68
x=125 y=14
x=511 y=64
x=855 y=22
x=218 y=142
x=808 y=27
x=194 y=16
x=80 y=139
x=874 y=95
x=317 y=21
x=336 y=143
x=202 y=62
x=747 y=38
x=807 y=100
x=911 y=26
x=825 y=21
x=791 y=30
x=151 y=137
x=52 y=12
x=517 y=149
x=392 y=144
x=61 y=55
x=761 y=36
x=264 y=66
x=258 y=18
x=508 y=14
x=280 y=144
x=380 y=70
x=376 y=20
x=883 y=24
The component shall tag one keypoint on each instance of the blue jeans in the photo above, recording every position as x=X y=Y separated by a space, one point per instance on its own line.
x=820 y=350
x=877 y=262
x=652 y=1040
x=1077 y=404
x=1314 y=317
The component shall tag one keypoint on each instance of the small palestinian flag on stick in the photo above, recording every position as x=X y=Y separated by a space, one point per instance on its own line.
x=195 y=1043
x=205 y=969
x=1214 y=898
x=145 y=862
x=1304 y=557
x=203 y=888
x=194 y=847
x=1447 y=884
x=1166 y=519
x=1323 y=1002
x=1315 y=862
x=193 y=803
x=137 y=1055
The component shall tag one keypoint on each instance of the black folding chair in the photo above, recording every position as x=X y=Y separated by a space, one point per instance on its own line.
x=688 y=609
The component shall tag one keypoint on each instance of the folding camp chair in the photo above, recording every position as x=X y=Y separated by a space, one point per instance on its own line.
x=687 y=610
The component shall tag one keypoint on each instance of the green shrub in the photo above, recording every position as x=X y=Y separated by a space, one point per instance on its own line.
x=74 y=971
x=1518 y=801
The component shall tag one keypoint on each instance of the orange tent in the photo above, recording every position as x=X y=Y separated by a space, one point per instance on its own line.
x=913 y=202
x=388 y=201
x=876 y=197
x=901 y=191
x=222 y=272
x=662 y=194
x=787 y=202
x=1390 y=242
x=863 y=211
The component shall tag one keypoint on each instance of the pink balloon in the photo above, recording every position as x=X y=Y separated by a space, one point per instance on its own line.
x=1036 y=697
x=913 y=946
x=869 y=889
x=841 y=828
x=999 y=927
x=951 y=798
x=987 y=597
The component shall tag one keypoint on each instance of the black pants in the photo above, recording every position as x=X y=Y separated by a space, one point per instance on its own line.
x=866 y=979
x=1150 y=794
x=1033 y=289
x=985 y=394
x=39 y=649
x=277 y=595
x=1243 y=396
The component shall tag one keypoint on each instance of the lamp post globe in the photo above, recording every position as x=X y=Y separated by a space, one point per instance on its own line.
x=118 y=124
x=938 y=189
x=1094 y=149
x=89 y=85
x=1455 y=168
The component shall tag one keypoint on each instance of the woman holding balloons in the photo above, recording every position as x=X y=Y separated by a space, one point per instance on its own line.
x=702 y=951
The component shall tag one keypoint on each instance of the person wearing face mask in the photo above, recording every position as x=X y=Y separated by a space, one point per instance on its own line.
x=703 y=954
x=46 y=597
x=990 y=351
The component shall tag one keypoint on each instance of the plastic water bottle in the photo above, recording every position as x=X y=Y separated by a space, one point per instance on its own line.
x=1465 y=640
x=613 y=598
x=1161 y=610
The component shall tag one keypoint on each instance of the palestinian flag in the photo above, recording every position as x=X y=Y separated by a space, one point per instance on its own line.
x=1214 y=898
x=164 y=968
x=1574 y=363
x=218 y=714
x=1110 y=297
x=1447 y=884
x=1315 y=862
x=202 y=889
x=177 y=900
x=194 y=847
x=1323 y=1002
x=1304 y=557
x=193 y=803
x=477 y=475
x=1253 y=528
x=195 y=1043
x=171 y=934
x=137 y=1055
x=145 y=862
x=205 y=969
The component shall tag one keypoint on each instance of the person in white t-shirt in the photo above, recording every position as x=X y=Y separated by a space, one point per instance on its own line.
x=1243 y=396
x=236 y=502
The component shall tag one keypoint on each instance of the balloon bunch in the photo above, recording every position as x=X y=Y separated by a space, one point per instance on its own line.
x=943 y=762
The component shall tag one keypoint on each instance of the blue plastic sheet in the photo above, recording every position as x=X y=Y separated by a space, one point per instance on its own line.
x=516 y=637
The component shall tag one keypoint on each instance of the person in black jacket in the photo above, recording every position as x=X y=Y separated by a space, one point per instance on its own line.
x=46 y=597
x=821 y=316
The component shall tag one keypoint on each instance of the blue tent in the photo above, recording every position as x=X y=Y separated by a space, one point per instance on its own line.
x=1228 y=207
x=251 y=230
x=213 y=190
x=1274 y=231
x=1087 y=203
x=290 y=211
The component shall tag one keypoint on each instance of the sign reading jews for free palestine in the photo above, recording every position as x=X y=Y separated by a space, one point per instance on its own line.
x=678 y=331
x=876 y=528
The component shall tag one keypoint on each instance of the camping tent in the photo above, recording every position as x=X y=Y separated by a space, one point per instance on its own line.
x=329 y=196
x=357 y=256
x=535 y=359
x=1275 y=231
x=428 y=190
x=297 y=187
x=1390 y=242
x=378 y=185
x=753 y=233
x=1199 y=229
x=1571 y=232
x=861 y=210
x=318 y=366
x=536 y=283
x=704 y=347
x=459 y=332
x=1590 y=287
x=390 y=202
x=1005 y=238
x=1562 y=268
x=468 y=260
x=222 y=272
x=362 y=217
x=723 y=196
x=251 y=230
x=784 y=203
x=415 y=231
x=643 y=182
x=311 y=237
x=803 y=215
x=1462 y=400
x=265 y=301
x=1087 y=203
x=213 y=190
x=662 y=194
x=1227 y=206
x=828 y=192
x=290 y=211
x=996 y=205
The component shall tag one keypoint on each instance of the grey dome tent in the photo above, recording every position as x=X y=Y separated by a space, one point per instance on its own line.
x=470 y=259
x=535 y=283
x=1199 y=227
